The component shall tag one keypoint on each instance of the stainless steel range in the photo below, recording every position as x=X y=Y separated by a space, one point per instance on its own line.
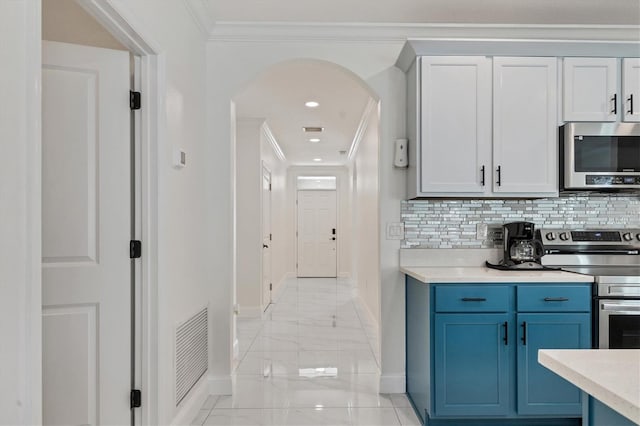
x=612 y=257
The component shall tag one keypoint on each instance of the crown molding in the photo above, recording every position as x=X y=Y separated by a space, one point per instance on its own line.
x=241 y=31
x=201 y=15
x=268 y=133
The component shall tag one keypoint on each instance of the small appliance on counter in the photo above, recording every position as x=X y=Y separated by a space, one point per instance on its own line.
x=522 y=248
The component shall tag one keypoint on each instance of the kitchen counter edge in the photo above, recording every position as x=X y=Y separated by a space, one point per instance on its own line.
x=610 y=376
x=481 y=274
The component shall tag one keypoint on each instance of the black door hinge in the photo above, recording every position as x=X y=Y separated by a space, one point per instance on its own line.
x=135 y=249
x=270 y=286
x=134 y=100
x=136 y=398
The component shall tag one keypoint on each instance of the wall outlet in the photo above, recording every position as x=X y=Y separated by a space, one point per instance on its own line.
x=395 y=231
x=494 y=234
x=481 y=231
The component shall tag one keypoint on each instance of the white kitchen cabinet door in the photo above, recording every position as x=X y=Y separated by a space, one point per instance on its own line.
x=455 y=124
x=631 y=89
x=525 y=142
x=590 y=92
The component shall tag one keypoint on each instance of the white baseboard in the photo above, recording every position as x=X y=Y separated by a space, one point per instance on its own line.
x=393 y=383
x=189 y=407
x=220 y=385
x=367 y=310
x=250 y=312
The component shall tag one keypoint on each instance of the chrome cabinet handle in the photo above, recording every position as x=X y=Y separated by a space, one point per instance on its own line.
x=615 y=103
x=482 y=180
x=473 y=299
x=499 y=171
x=556 y=299
x=506 y=333
x=620 y=308
x=630 y=99
x=524 y=333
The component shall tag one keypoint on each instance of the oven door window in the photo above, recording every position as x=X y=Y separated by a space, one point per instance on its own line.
x=624 y=332
x=607 y=154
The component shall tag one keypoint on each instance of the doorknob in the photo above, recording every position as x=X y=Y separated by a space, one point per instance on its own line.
x=265 y=246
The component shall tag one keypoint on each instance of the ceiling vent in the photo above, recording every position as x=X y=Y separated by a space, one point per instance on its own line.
x=307 y=129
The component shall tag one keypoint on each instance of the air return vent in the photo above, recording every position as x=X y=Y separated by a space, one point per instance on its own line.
x=192 y=353
x=308 y=129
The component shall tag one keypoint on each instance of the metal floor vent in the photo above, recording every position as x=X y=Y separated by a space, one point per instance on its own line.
x=192 y=353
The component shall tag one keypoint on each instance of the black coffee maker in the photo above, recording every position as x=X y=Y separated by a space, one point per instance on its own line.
x=522 y=247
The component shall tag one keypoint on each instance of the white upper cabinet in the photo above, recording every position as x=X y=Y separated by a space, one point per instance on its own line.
x=590 y=89
x=482 y=127
x=455 y=121
x=631 y=89
x=524 y=126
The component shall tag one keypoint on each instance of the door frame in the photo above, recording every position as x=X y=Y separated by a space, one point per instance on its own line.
x=266 y=172
x=149 y=79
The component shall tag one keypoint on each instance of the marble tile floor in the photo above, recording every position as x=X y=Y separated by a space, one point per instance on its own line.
x=312 y=360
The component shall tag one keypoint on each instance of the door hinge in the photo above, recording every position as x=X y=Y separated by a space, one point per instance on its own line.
x=270 y=286
x=134 y=100
x=270 y=237
x=136 y=398
x=135 y=249
x=269 y=187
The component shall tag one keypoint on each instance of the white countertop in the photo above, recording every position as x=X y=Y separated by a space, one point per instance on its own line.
x=481 y=274
x=611 y=376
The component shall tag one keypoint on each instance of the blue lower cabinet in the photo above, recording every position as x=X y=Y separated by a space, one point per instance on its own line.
x=472 y=352
x=472 y=364
x=540 y=391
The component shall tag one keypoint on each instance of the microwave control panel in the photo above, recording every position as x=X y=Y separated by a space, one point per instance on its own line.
x=612 y=180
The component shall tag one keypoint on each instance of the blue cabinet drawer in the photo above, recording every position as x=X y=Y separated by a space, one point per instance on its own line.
x=472 y=298
x=554 y=298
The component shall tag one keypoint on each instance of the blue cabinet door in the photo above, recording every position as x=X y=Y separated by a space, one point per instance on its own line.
x=540 y=391
x=472 y=364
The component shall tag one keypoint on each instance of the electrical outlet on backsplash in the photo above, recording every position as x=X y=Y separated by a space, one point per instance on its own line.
x=461 y=223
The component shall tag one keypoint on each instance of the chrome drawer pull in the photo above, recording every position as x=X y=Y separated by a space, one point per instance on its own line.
x=556 y=299
x=620 y=308
x=474 y=299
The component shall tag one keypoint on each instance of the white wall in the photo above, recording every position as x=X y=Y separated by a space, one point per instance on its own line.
x=253 y=151
x=20 y=302
x=366 y=217
x=248 y=222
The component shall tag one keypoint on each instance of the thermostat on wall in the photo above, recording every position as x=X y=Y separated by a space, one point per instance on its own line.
x=179 y=158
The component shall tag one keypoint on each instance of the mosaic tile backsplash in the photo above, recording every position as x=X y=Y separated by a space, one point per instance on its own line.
x=452 y=223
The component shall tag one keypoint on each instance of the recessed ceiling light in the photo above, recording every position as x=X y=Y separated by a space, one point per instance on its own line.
x=314 y=140
x=317 y=159
x=311 y=104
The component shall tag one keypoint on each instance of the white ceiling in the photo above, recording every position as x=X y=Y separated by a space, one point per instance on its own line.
x=610 y=12
x=279 y=96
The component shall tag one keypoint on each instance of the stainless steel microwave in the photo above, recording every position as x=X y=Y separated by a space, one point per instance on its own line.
x=600 y=156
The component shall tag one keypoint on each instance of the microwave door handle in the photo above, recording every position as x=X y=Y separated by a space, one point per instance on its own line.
x=620 y=308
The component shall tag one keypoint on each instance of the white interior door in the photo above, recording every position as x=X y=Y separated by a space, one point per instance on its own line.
x=86 y=226
x=266 y=238
x=317 y=234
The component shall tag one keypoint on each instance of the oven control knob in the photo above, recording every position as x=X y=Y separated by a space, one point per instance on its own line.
x=551 y=236
x=564 y=236
x=627 y=236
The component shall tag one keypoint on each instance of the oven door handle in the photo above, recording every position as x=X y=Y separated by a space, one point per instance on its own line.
x=620 y=308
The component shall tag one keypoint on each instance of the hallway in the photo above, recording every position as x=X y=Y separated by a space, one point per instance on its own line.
x=311 y=361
